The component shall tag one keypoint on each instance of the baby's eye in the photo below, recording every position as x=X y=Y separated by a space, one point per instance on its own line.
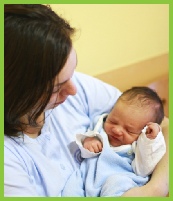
x=130 y=132
x=113 y=122
x=133 y=132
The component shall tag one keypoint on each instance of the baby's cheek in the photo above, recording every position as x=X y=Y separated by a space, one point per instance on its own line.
x=106 y=128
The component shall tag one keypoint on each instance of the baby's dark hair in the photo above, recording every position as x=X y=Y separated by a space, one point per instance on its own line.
x=144 y=97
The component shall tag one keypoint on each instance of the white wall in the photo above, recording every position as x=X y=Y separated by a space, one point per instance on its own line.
x=111 y=36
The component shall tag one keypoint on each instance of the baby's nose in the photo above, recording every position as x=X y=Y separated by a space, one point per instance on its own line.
x=117 y=130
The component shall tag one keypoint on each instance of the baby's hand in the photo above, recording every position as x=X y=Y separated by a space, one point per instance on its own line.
x=93 y=144
x=152 y=130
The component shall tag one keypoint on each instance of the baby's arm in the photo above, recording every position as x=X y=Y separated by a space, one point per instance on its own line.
x=158 y=185
x=149 y=150
x=84 y=140
x=93 y=144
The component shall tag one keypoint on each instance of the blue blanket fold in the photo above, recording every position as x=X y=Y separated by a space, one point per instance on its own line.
x=109 y=174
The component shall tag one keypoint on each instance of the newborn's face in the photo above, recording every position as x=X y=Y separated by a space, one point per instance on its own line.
x=125 y=123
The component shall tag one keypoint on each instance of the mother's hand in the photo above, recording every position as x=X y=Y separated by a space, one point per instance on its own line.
x=147 y=190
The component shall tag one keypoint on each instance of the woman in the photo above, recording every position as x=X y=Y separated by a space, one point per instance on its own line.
x=39 y=153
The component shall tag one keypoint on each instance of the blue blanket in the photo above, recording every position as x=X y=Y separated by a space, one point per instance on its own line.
x=109 y=174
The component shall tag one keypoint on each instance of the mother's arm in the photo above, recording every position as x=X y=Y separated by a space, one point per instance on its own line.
x=160 y=174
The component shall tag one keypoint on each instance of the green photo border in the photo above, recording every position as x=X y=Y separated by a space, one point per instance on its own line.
x=170 y=2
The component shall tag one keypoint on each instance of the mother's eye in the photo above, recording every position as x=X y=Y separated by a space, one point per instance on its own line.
x=56 y=89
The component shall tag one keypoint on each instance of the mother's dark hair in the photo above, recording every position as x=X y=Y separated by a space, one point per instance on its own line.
x=37 y=45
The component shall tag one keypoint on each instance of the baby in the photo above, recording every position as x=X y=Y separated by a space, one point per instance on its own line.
x=125 y=145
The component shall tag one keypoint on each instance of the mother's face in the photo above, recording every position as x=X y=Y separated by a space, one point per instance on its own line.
x=63 y=86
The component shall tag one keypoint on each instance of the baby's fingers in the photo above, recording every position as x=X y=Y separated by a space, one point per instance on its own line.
x=99 y=147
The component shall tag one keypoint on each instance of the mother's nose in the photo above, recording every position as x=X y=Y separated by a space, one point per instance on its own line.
x=69 y=88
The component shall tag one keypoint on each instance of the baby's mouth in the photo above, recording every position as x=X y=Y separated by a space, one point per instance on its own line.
x=114 y=138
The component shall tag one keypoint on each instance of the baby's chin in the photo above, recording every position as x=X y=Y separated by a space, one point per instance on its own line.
x=115 y=142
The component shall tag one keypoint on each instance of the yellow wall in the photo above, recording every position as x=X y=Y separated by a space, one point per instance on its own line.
x=112 y=36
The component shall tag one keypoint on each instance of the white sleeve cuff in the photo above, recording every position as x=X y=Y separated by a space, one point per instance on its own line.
x=85 y=153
